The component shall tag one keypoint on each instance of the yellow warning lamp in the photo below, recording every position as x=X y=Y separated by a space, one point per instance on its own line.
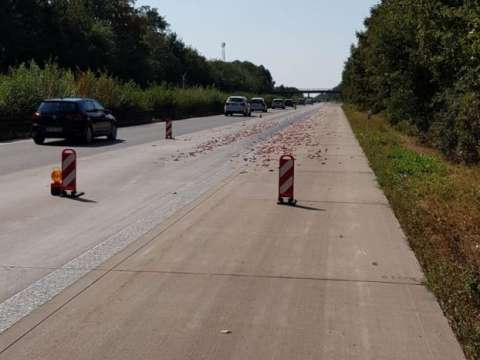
x=57 y=176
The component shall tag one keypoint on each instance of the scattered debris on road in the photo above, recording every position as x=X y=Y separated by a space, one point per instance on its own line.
x=288 y=141
x=223 y=138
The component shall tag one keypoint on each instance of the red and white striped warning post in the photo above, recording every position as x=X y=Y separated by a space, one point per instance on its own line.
x=69 y=170
x=168 y=129
x=286 y=180
x=69 y=173
x=65 y=179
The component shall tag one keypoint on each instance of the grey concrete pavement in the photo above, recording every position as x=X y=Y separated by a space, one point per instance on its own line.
x=47 y=243
x=24 y=154
x=331 y=279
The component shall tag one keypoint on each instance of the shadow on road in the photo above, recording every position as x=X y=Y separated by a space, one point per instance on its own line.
x=95 y=144
x=304 y=207
x=83 y=200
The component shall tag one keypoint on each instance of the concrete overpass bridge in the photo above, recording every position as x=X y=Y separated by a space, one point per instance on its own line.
x=308 y=91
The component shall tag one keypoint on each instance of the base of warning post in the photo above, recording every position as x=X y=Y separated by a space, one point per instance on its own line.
x=287 y=201
x=55 y=190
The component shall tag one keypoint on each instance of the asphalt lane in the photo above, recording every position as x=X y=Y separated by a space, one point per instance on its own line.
x=24 y=154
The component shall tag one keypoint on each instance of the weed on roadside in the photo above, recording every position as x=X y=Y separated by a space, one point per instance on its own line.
x=438 y=205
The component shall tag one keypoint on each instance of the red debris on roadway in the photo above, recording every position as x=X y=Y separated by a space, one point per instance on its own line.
x=287 y=141
x=227 y=139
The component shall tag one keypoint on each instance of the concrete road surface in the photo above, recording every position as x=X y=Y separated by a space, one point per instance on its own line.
x=24 y=154
x=233 y=275
x=47 y=243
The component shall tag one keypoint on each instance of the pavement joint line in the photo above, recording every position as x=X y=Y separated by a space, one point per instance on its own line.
x=336 y=144
x=328 y=155
x=361 y=203
x=279 y=277
x=334 y=172
x=245 y=275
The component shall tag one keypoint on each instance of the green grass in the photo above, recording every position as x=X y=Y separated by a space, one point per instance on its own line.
x=438 y=205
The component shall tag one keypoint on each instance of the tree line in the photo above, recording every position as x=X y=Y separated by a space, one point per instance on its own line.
x=419 y=62
x=118 y=38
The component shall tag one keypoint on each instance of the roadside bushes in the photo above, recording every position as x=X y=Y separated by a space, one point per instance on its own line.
x=22 y=89
x=25 y=86
x=418 y=61
x=467 y=128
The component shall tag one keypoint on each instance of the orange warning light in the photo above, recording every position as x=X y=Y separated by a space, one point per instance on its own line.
x=57 y=176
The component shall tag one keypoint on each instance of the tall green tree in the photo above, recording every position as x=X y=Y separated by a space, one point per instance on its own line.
x=114 y=36
x=419 y=61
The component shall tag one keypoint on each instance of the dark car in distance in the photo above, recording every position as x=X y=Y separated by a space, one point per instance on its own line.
x=278 y=104
x=72 y=118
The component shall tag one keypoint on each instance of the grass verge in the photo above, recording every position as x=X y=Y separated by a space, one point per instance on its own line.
x=438 y=204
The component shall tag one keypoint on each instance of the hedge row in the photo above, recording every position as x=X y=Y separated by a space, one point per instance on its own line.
x=419 y=62
x=24 y=87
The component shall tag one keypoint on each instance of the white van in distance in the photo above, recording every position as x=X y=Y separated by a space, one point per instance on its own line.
x=237 y=105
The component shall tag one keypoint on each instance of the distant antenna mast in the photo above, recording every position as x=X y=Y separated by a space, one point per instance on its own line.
x=224 y=55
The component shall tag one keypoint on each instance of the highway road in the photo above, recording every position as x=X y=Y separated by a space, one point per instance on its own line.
x=24 y=154
x=131 y=186
x=180 y=251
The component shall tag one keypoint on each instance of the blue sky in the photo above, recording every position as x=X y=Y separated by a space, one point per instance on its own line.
x=304 y=43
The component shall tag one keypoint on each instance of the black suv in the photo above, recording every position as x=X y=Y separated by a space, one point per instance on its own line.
x=72 y=118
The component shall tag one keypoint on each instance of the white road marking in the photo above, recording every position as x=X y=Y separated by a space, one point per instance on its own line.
x=15 y=142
